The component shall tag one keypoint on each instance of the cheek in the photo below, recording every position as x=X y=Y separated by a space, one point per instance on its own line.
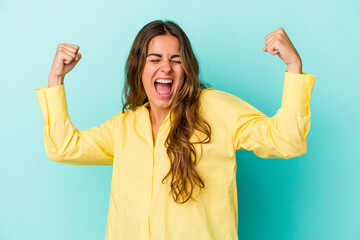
x=149 y=71
x=146 y=83
x=180 y=73
x=146 y=76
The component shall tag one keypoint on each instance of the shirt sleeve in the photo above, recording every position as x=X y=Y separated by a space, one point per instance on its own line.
x=66 y=144
x=284 y=134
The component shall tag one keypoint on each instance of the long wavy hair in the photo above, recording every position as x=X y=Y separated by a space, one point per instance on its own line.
x=185 y=118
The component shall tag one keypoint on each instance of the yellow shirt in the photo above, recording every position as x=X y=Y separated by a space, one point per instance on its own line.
x=140 y=205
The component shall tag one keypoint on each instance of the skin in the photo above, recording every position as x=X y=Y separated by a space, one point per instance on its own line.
x=279 y=43
x=163 y=61
x=167 y=66
x=66 y=58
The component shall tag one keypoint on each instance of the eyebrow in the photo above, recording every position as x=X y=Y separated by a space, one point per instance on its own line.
x=159 y=55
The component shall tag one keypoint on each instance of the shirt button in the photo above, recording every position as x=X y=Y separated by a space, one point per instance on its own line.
x=145 y=211
x=42 y=101
x=148 y=180
x=44 y=114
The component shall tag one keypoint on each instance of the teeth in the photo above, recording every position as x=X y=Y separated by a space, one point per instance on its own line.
x=163 y=81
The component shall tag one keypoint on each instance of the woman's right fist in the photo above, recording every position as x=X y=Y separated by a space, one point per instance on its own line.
x=66 y=58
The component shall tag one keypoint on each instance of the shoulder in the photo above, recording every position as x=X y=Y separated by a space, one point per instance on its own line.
x=121 y=116
x=220 y=101
x=133 y=116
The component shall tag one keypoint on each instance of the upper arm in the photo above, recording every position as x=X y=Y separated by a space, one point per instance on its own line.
x=280 y=136
x=66 y=144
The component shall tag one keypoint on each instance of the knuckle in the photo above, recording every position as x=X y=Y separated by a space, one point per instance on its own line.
x=74 y=46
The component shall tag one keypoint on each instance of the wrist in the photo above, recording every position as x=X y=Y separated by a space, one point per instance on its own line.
x=55 y=80
x=295 y=67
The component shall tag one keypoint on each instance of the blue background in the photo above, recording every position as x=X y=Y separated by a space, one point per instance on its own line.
x=315 y=196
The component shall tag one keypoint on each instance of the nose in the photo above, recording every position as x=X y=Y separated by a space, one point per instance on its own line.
x=166 y=66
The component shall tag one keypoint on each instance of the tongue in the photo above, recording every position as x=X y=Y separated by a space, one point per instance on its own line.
x=163 y=88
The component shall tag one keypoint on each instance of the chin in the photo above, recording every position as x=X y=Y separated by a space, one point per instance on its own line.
x=162 y=103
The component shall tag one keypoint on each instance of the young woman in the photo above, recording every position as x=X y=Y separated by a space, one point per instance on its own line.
x=173 y=146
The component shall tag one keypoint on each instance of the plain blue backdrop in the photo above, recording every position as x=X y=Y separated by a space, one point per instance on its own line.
x=313 y=197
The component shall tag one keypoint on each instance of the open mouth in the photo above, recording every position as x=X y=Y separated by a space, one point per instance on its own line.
x=163 y=87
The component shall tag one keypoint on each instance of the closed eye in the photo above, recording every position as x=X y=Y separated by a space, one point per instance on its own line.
x=159 y=61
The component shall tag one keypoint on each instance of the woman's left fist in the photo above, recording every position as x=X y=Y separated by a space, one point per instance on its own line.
x=279 y=43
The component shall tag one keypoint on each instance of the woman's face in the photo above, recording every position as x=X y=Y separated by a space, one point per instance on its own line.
x=163 y=73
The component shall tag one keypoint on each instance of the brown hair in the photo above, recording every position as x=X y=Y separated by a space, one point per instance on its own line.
x=185 y=108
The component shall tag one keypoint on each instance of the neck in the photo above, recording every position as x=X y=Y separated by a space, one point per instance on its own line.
x=157 y=116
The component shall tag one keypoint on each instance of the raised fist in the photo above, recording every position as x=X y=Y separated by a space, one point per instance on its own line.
x=66 y=58
x=279 y=43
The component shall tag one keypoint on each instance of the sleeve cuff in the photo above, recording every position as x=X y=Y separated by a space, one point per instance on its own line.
x=52 y=102
x=297 y=91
